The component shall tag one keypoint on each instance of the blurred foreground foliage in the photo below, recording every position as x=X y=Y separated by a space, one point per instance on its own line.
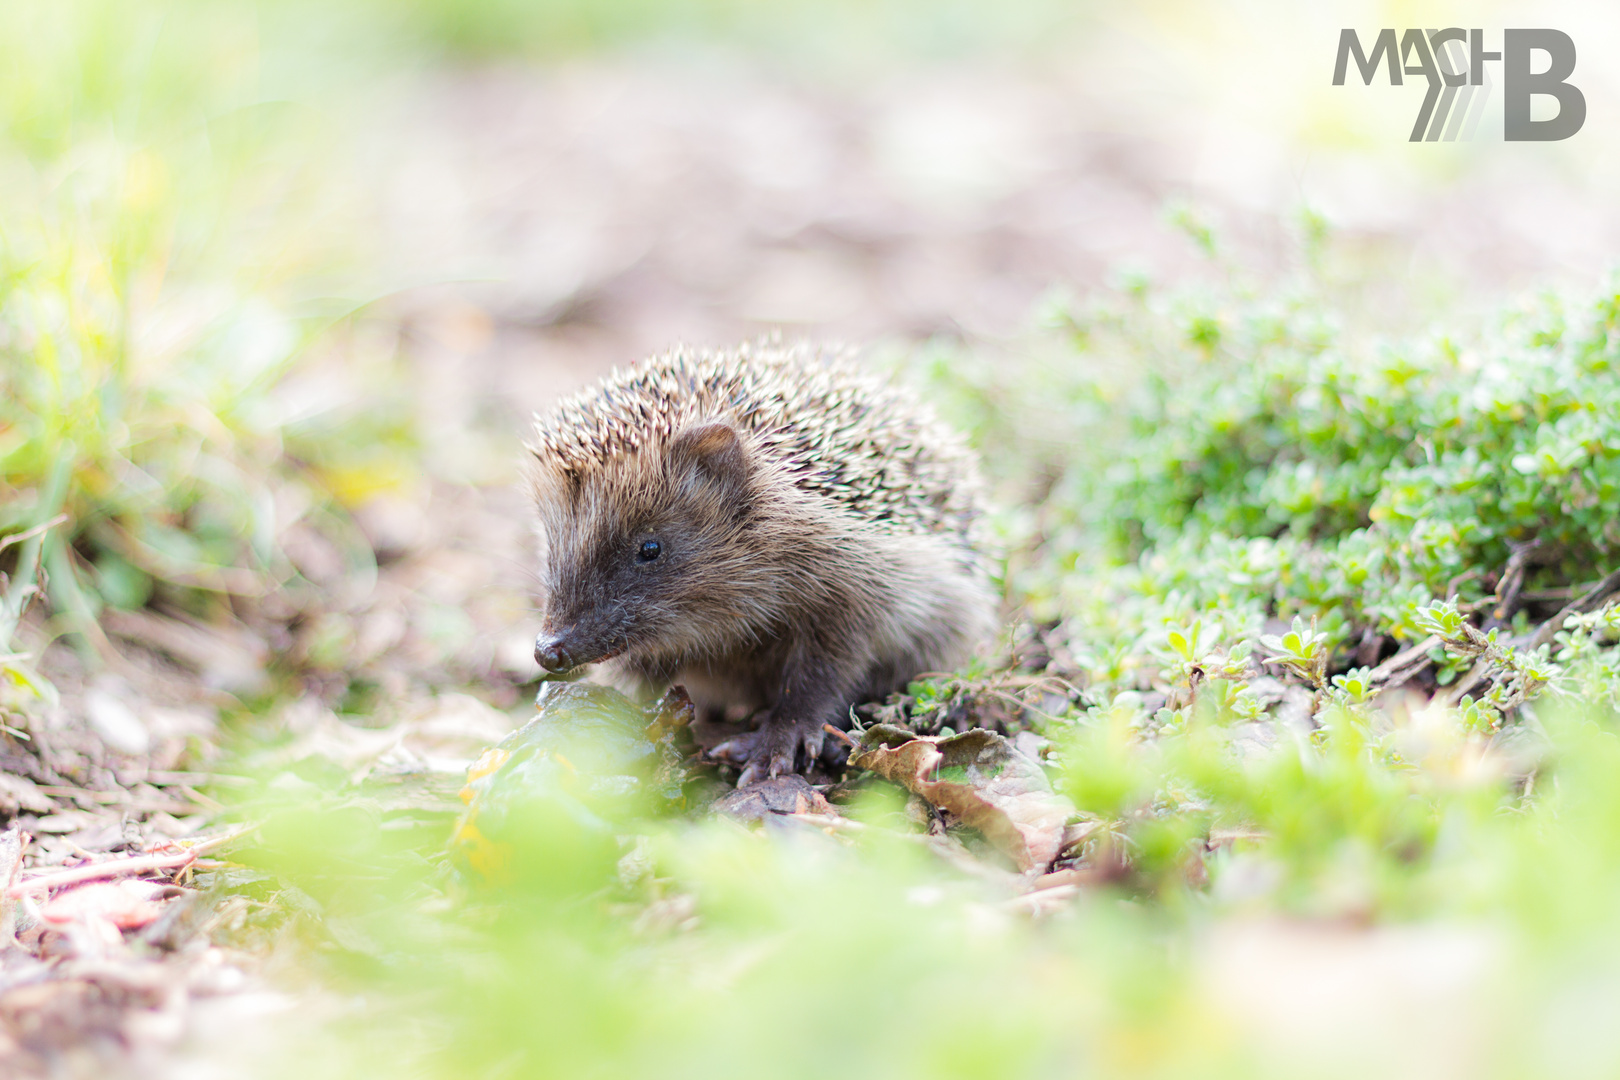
x=711 y=950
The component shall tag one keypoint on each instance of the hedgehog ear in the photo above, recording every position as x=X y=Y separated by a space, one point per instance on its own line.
x=711 y=453
x=550 y=482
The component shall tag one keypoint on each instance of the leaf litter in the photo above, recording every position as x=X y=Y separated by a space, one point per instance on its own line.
x=979 y=779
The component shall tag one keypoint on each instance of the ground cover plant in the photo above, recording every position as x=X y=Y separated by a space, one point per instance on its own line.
x=1297 y=757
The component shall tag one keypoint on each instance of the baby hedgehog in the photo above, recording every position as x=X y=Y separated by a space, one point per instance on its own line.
x=770 y=527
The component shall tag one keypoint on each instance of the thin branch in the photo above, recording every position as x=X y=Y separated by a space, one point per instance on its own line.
x=1453 y=694
x=1547 y=596
x=29 y=534
x=1401 y=667
x=139 y=864
x=1022 y=705
x=1508 y=590
x=1589 y=601
x=1042 y=901
x=831 y=821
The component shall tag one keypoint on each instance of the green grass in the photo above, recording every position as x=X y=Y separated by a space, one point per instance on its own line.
x=839 y=34
x=165 y=248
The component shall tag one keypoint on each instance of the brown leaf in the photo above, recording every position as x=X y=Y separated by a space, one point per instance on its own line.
x=981 y=780
x=127 y=904
x=781 y=795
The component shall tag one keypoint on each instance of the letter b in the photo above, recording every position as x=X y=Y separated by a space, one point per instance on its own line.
x=1520 y=85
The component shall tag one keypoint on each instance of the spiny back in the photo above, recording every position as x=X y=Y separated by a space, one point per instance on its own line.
x=834 y=430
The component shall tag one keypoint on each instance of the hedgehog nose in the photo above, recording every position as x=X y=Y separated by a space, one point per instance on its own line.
x=550 y=654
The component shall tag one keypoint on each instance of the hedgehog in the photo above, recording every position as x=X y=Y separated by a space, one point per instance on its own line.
x=769 y=527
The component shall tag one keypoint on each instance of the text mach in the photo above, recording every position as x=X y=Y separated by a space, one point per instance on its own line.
x=1454 y=61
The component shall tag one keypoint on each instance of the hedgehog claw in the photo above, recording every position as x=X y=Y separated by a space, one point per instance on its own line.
x=736 y=751
x=772 y=751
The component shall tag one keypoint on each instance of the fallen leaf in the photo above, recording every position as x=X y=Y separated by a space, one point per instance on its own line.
x=981 y=780
x=128 y=904
x=20 y=793
x=780 y=795
x=66 y=821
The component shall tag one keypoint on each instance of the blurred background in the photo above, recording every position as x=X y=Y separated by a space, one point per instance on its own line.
x=378 y=236
x=543 y=189
x=511 y=196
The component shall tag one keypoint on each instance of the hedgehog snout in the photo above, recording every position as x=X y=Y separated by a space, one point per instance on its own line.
x=551 y=652
x=574 y=646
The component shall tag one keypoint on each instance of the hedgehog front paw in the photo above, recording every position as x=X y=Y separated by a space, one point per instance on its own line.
x=774 y=750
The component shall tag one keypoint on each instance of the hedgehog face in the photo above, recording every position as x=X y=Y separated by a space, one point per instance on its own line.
x=636 y=545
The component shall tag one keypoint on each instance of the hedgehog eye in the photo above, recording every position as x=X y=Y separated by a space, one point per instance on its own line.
x=650 y=550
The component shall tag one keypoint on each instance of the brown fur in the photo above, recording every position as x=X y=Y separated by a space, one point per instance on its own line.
x=816 y=535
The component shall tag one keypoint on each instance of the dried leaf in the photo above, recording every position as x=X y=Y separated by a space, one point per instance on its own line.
x=128 y=904
x=781 y=795
x=981 y=780
x=20 y=793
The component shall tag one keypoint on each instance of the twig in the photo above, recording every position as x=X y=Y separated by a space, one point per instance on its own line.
x=29 y=534
x=1454 y=586
x=1038 y=680
x=123 y=800
x=139 y=864
x=1476 y=675
x=1511 y=586
x=200 y=799
x=1547 y=596
x=1020 y=704
x=1589 y=601
x=1401 y=667
x=1507 y=600
x=162 y=778
x=1041 y=901
x=831 y=821
x=836 y=823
